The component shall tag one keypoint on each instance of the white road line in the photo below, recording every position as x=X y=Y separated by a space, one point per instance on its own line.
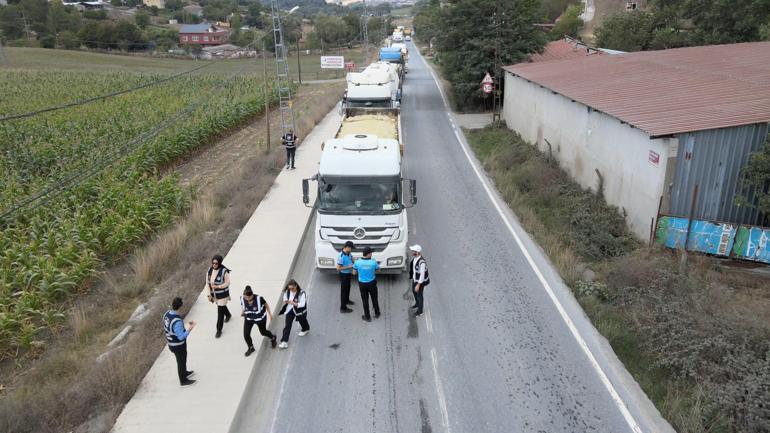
x=440 y=391
x=428 y=321
x=621 y=405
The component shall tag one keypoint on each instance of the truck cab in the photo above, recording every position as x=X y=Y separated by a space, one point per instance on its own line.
x=377 y=86
x=362 y=197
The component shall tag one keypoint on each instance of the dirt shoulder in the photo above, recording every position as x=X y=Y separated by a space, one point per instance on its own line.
x=76 y=383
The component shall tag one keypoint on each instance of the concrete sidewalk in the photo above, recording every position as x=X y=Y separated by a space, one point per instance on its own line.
x=262 y=257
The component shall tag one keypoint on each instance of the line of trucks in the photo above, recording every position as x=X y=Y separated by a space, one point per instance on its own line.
x=362 y=193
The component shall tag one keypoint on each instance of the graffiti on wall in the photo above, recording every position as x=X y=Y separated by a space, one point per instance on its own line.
x=718 y=239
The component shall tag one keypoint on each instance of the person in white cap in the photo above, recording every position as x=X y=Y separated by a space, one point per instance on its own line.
x=419 y=276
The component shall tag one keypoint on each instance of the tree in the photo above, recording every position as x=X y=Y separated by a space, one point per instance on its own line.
x=174 y=5
x=68 y=40
x=569 y=23
x=756 y=178
x=626 y=31
x=142 y=19
x=11 y=23
x=480 y=36
x=427 y=21
x=330 y=30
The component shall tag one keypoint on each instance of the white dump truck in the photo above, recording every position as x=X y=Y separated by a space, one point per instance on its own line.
x=377 y=86
x=362 y=195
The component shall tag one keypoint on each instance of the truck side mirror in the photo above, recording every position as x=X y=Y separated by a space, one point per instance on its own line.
x=410 y=192
x=305 y=191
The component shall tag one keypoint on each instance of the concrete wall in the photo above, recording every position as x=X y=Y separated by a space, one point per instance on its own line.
x=584 y=140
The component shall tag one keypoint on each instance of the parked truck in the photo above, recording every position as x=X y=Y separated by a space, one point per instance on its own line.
x=395 y=56
x=362 y=194
x=377 y=86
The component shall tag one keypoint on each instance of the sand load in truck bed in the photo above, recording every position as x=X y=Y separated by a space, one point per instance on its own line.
x=381 y=125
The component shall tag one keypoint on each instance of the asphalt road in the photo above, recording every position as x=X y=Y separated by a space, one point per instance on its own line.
x=492 y=354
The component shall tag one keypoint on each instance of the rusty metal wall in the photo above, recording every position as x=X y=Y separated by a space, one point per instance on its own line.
x=713 y=160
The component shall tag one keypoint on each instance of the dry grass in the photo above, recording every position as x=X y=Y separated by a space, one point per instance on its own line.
x=66 y=389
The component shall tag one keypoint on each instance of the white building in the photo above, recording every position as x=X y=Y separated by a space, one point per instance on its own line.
x=650 y=125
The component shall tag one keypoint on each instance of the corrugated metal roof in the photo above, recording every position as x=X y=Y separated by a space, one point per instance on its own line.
x=670 y=91
x=563 y=49
x=197 y=28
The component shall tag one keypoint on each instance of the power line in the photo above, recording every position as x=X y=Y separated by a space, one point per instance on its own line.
x=101 y=97
x=54 y=191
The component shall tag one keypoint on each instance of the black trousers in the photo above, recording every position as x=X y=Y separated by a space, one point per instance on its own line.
x=222 y=312
x=180 y=352
x=344 y=289
x=367 y=290
x=418 y=296
x=290 y=152
x=290 y=316
x=261 y=325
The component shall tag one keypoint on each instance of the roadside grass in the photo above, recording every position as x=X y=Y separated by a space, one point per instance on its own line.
x=66 y=388
x=697 y=343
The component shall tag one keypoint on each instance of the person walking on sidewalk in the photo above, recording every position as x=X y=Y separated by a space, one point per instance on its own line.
x=176 y=336
x=218 y=283
x=294 y=307
x=289 y=141
x=366 y=267
x=418 y=273
x=255 y=311
x=345 y=268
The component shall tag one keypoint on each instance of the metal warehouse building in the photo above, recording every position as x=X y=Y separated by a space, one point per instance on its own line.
x=650 y=125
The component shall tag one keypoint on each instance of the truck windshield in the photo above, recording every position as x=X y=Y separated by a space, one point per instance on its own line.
x=359 y=198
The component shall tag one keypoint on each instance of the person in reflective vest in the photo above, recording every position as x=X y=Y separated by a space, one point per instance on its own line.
x=345 y=268
x=176 y=337
x=289 y=141
x=294 y=307
x=218 y=283
x=366 y=267
x=255 y=311
x=418 y=273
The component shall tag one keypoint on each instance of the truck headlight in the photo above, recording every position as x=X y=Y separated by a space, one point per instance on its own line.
x=396 y=235
x=322 y=234
x=325 y=261
x=395 y=261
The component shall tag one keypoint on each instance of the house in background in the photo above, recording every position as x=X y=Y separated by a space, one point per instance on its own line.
x=649 y=126
x=202 y=34
x=160 y=4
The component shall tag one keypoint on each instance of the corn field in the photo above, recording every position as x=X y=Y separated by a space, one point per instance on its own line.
x=113 y=196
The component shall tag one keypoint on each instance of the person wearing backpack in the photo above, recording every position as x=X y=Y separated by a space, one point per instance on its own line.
x=255 y=311
x=420 y=278
x=218 y=283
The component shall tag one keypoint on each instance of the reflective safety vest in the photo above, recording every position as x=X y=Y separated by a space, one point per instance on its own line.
x=414 y=269
x=169 y=320
x=219 y=293
x=256 y=311
x=298 y=311
x=289 y=140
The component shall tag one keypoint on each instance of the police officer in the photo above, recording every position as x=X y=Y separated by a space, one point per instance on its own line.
x=255 y=311
x=366 y=267
x=345 y=268
x=176 y=337
x=419 y=276
x=218 y=282
x=294 y=307
x=289 y=141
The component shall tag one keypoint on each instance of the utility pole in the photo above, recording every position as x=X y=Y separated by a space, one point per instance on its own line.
x=365 y=36
x=267 y=98
x=282 y=79
x=499 y=20
x=299 y=66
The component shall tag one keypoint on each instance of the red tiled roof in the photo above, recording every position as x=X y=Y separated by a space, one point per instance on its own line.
x=666 y=92
x=563 y=49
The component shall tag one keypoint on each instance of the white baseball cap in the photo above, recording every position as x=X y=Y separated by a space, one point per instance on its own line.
x=416 y=247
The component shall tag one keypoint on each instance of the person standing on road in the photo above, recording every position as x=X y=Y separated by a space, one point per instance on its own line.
x=289 y=141
x=218 y=283
x=418 y=273
x=345 y=268
x=366 y=269
x=176 y=336
x=294 y=307
x=255 y=311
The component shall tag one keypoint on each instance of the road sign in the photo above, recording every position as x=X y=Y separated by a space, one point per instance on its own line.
x=350 y=66
x=332 y=62
x=487 y=84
